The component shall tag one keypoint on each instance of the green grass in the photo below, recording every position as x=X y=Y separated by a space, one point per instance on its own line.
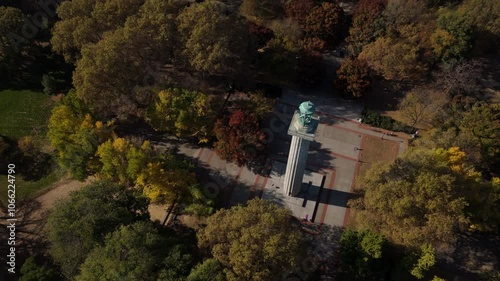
x=28 y=189
x=24 y=113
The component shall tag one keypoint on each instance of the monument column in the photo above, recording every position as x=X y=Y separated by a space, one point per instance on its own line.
x=302 y=129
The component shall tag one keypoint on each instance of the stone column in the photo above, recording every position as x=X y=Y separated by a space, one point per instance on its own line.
x=296 y=165
x=303 y=130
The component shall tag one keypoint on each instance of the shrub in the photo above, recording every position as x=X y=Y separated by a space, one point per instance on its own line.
x=374 y=118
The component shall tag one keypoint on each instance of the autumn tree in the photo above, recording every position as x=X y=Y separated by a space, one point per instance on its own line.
x=459 y=77
x=394 y=58
x=111 y=72
x=367 y=24
x=184 y=113
x=84 y=22
x=398 y=13
x=239 y=137
x=353 y=77
x=167 y=178
x=417 y=199
x=420 y=105
x=215 y=41
x=313 y=44
x=261 y=9
x=80 y=223
x=298 y=10
x=256 y=242
x=326 y=22
x=123 y=161
x=75 y=136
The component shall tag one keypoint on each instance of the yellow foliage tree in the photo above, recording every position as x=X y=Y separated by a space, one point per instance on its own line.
x=121 y=160
x=164 y=185
x=75 y=137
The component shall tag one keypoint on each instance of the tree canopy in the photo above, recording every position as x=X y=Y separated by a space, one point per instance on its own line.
x=85 y=22
x=132 y=252
x=75 y=136
x=239 y=137
x=184 y=113
x=353 y=77
x=326 y=22
x=417 y=199
x=210 y=269
x=215 y=41
x=80 y=223
x=256 y=242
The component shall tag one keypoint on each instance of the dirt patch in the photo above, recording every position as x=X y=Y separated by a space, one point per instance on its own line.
x=374 y=150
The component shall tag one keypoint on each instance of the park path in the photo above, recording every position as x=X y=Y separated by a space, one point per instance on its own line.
x=59 y=191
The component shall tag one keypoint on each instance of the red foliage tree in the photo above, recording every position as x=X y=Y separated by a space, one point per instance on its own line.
x=353 y=77
x=260 y=35
x=367 y=24
x=239 y=137
x=326 y=22
x=313 y=44
x=298 y=10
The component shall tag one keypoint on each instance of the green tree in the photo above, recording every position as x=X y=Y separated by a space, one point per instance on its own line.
x=239 y=137
x=79 y=224
x=210 y=269
x=85 y=22
x=216 y=41
x=326 y=22
x=12 y=42
x=198 y=203
x=132 y=252
x=353 y=77
x=279 y=57
x=454 y=37
x=256 y=242
x=361 y=255
x=184 y=113
x=176 y=265
x=425 y=262
x=482 y=123
x=417 y=199
x=31 y=271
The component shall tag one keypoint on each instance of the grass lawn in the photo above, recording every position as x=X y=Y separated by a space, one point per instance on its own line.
x=29 y=189
x=376 y=150
x=23 y=113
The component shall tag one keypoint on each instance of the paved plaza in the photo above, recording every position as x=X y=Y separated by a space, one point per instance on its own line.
x=332 y=166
